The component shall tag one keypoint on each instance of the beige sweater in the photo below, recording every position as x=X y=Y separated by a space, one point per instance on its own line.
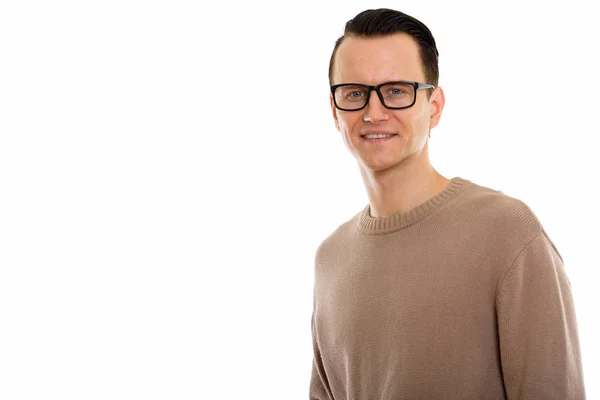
x=463 y=297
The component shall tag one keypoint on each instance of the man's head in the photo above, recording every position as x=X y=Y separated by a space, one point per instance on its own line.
x=379 y=47
x=385 y=22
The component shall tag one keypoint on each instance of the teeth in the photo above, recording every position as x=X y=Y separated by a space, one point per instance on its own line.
x=377 y=136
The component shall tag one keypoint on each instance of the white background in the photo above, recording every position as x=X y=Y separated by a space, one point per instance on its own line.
x=163 y=191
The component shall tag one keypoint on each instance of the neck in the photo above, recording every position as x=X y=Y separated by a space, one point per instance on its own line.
x=398 y=190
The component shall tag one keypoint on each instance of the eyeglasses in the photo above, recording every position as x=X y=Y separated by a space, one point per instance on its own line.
x=393 y=95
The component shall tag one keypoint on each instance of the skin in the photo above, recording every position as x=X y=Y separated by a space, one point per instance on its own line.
x=397 y=173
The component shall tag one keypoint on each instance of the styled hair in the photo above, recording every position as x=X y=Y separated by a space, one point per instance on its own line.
x=385 y=22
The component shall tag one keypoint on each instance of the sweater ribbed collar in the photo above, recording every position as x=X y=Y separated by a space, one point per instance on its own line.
x=382 y=225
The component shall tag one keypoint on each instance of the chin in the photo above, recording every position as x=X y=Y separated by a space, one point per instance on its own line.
x=379 y=166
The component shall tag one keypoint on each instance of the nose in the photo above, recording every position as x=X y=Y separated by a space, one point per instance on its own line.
x=375 y=111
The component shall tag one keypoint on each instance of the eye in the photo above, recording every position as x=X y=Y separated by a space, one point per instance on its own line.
x=396 y=91
x=351 y=93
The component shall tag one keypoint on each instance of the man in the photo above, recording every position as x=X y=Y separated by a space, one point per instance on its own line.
x=439 y=288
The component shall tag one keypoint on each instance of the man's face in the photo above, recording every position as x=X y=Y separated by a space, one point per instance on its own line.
x=374 y=61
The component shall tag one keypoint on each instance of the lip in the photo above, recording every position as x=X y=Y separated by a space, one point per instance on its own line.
x=363 y=134
x=378 y=140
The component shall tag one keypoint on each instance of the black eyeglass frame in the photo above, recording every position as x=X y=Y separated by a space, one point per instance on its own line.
x=416 y=86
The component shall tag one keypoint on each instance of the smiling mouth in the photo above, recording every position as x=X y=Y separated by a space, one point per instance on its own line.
x=377 y=136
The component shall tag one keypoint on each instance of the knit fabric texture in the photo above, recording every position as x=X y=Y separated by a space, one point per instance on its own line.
x=463 y=297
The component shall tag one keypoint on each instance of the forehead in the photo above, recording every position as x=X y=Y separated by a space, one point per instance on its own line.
x=376 y=60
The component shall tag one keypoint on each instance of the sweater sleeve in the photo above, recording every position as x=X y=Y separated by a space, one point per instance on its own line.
x=317 y=389
x=537 y=328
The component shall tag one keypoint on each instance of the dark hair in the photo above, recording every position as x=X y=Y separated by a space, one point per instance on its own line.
x=386 y=22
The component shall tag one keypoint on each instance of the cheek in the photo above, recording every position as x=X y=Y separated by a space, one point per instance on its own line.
x=421 y=119
x=348 y=123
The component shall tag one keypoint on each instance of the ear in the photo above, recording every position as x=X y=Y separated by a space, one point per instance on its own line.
x=334 y=112
x=437 y=105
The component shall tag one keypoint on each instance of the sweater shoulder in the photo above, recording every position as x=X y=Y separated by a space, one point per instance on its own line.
x=339 y=237
x=505 y=217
